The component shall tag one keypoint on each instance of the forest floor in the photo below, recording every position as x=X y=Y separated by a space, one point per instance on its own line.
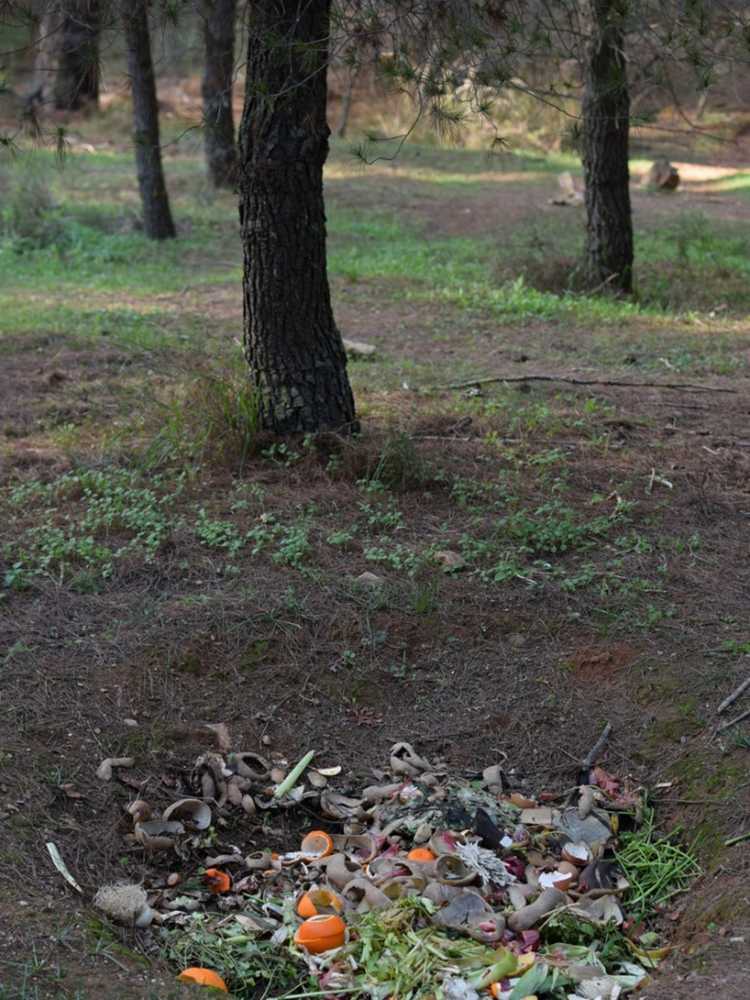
x=163 y=569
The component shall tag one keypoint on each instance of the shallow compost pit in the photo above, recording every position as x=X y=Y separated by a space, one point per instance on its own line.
x=419 y=883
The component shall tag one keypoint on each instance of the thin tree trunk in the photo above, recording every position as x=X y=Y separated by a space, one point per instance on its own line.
x=218 y=77
x=77 y=78
x=46 y=47
x=292 y=344
x=608 y=260
x=157 y=217
x=346 y=103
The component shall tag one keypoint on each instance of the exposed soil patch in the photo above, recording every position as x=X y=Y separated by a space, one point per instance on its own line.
x=601 y=665
x=45 y=383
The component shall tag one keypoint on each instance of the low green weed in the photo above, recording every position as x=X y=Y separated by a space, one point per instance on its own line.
x=554 y=528
x=117 y=514
x=293 y=546
x=387 y=517
x=477 y=495
x=30 y=218
x=397 y=466
x=342 y=537
x=292 y=541
x=399 y=557
x=736 y=647
x=218 y=534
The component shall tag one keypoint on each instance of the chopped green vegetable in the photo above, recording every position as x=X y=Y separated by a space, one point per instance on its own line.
x=656 y=868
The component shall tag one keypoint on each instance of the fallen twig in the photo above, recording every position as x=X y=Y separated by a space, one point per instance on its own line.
x=734 y=721
x=591 y=757
x=694 y=802
x=733 y=696
x=690 y=386
x=737 y=840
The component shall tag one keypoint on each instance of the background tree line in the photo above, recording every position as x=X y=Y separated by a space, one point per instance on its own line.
x=453 y=58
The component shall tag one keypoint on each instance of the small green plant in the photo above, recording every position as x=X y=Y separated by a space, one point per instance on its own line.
x=477 y=495
x=425 y=598
x=293 y=545
x=30 y=218
x=385 y=518
x=263 y=533
x=583 y=577
x=342 y=537
x=503 y=571
x=398 y=557
x=549 y=528
x=218 y=534
x=736 y=647
x=401 y=669
x=281 y=454
x=399 y=465
x=246 y=495
x=554 y=528
x=348 y=658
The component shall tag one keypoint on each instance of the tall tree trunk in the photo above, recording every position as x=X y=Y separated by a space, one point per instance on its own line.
x=46 y=48
x=157 y=217
x=218 y=77
x=77 y=77
x=292 y=344
x=608 y=260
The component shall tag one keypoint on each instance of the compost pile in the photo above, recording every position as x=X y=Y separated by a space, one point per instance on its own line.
x=419 y=885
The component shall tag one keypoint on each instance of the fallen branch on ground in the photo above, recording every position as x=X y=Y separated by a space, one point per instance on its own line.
x=733 y=696
x=688 y=386
x=591 y=757
x=734 y=721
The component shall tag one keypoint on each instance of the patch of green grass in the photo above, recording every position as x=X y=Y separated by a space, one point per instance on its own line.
x=738 y=183
x=210 y=416
x=97 y=261
x=457 y=270
x=442 y=165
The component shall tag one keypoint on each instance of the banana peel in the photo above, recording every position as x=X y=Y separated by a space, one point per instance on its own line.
x=648 y=957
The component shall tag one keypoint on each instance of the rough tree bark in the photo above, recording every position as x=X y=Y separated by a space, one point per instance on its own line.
x=292 y=344
x=608 y=262
x=157 y=217
x=77 y=76
x=218 y=77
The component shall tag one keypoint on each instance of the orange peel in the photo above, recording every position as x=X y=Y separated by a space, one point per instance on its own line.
x=421 y=854
x=316 y=901
x=203 y=977
x=320 y=933
x=217 y=881
x=317 y=844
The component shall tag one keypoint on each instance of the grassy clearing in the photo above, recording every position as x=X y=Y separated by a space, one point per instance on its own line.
x=68 y=229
